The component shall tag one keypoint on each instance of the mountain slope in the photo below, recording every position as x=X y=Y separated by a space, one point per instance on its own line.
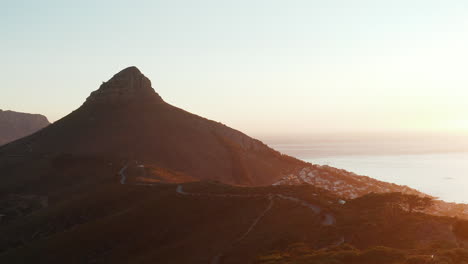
x=14 y=125
x=114 y=223
x=125 y=120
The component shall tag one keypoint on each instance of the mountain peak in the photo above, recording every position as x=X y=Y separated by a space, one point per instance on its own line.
x=127 y=85
x=130 y=70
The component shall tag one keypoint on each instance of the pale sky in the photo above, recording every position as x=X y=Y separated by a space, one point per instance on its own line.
x=263 y=67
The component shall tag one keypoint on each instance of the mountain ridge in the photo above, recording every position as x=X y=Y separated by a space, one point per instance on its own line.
x=125 y=119
x=15 y=125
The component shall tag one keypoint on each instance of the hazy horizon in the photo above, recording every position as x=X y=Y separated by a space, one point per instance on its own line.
x=306 y=68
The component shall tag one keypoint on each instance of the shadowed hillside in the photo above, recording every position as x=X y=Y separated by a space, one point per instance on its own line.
x=125 y=120
x=131 y=223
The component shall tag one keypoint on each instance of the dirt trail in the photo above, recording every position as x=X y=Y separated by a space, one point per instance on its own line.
x=255 y=222
x=328 y=219
x=217 y=259
x=123 y=178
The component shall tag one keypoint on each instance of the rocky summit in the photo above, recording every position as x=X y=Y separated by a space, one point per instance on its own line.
x=127 y=85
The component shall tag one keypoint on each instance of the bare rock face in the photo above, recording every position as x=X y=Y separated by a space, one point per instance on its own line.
x=127 y=85
x=15 y=125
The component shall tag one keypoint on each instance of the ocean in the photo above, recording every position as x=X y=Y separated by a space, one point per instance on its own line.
x=438 y=167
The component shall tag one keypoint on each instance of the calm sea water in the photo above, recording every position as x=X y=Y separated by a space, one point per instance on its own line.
x=437 y=171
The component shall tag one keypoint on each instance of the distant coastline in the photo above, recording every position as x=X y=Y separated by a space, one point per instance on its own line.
x=431 y=167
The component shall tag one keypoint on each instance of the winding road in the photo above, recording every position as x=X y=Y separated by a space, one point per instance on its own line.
x=328 y=218
x=123 y=178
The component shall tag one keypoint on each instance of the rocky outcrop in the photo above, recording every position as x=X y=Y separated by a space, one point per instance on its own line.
x=14 y=125
x=127 y=85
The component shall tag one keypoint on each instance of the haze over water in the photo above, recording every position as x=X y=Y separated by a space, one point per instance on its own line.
x=436 y=165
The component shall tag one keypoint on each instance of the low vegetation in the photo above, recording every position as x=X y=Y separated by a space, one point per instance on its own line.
x=347 y=254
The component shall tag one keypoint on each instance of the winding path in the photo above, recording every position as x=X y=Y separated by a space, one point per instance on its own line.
x=328 y=218
x=255 y=222
x=123 y=178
